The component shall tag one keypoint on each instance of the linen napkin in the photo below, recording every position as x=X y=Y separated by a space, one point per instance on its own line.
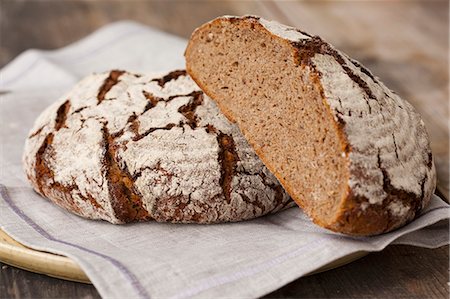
x=159 y=260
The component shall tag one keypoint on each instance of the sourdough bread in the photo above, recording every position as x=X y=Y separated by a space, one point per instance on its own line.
x=126 y=147
x=353 y=154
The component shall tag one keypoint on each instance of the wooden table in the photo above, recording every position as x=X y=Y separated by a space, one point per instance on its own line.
x=405 y=43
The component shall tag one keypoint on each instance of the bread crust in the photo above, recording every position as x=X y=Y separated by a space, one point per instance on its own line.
x=390 y=180
x=126 y=147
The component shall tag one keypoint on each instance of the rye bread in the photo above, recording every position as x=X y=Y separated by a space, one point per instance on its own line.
x=353 y=154
x=125 y=147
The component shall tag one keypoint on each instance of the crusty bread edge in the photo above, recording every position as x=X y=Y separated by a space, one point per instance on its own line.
x=350 y=217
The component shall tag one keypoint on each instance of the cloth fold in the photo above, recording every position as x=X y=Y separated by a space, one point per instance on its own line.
x=160 y=260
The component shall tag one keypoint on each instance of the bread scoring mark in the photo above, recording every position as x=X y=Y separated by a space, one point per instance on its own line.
x=37 y=132
x=410 y=198
x=234 y=19
x=188 y=110
x=383 y=216
x=80 y=109
x=308 y=48
x=169 y=77
x=228 y=159
x=364 y=71
x=151 y=130
x=109 y=82
x=430 y=160
x=210 y=129
x=395 y=145
x=153 y=100
x=43 y=172
x=126 y=200
x=45 y=178
x=61 y=115
x=379 y=158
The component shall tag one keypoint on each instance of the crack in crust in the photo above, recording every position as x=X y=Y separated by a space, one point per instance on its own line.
x=395 y=146
x=61 y=115
x=308 y=48
x=112 y=80
x=188 y=110
x=430 y=160
x=43 y=172
x=228 y=159
x=169 y=77
x=126 y=200
x=153 y=100
x=45 y=181
x=37 y=132
x=151 y=130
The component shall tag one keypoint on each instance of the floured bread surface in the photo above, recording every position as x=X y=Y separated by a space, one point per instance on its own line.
x=125 y=147
x=352 y=154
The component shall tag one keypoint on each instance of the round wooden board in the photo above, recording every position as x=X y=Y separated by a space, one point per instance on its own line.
x=15 y=254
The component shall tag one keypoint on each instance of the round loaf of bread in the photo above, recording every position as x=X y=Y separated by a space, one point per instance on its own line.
x=353 y=154
x=124 y=147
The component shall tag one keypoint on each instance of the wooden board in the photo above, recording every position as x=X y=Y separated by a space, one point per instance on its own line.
x=15 y=254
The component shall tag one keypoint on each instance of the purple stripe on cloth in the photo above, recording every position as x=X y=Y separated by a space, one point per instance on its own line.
x=130 y=277
x=216 y=281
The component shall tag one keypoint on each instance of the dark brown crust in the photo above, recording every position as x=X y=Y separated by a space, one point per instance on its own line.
x=37 y=132
x=44 y=176
x=277 y=189
x=169 y=77
x=228 y=159
x=112 y=80
x=351 y=218
x=308 y=48
x=61 y=115
x=153 y=100
x=188 y=110
x=126 y=200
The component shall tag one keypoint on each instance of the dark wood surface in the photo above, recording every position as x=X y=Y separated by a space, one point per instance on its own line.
x=404 y=42
x=396 y=272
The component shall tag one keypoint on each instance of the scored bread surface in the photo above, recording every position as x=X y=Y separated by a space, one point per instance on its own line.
x=391 y=173
x=126 y=147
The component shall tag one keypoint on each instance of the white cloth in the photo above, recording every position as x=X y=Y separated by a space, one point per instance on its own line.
x=143 y=260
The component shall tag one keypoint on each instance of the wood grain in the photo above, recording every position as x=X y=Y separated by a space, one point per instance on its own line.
x=405 y=43
x=398 y=271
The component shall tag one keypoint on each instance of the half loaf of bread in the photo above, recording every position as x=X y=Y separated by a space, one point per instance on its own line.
x=353 y=154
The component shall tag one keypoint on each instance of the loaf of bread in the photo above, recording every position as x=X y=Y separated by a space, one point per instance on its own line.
x=353 y=154
x=125 y=147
